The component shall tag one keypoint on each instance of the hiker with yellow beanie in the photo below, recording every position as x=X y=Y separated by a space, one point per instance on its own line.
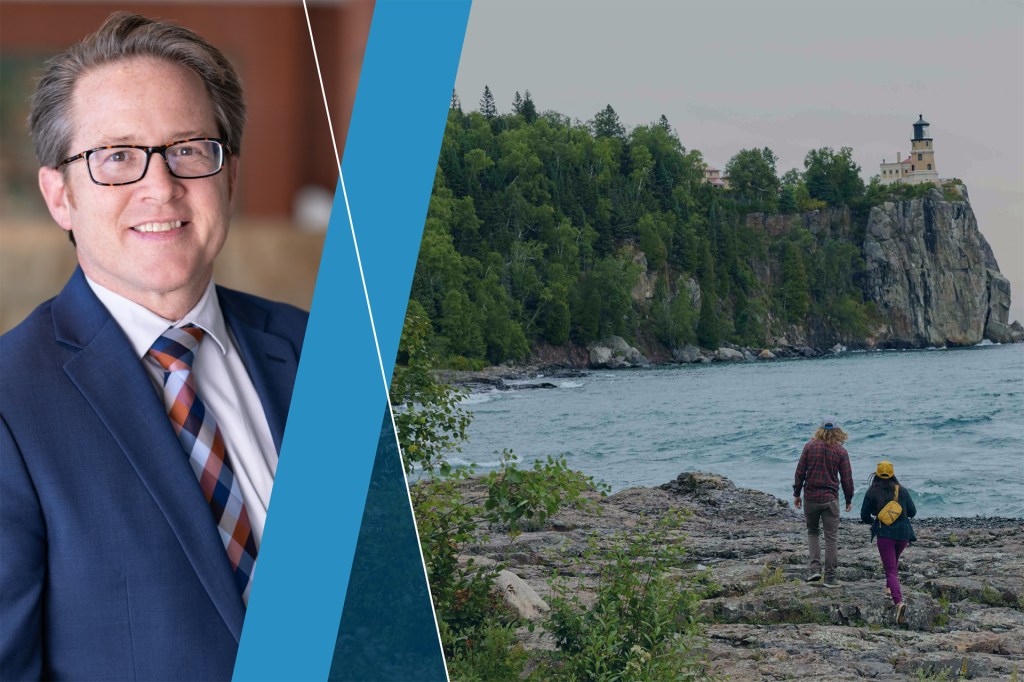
x=888 y=507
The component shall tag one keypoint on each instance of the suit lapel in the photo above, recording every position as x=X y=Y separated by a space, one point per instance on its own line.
x=270 y=359
x=110 y=377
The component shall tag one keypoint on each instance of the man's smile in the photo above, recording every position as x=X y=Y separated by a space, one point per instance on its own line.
x=159 y=226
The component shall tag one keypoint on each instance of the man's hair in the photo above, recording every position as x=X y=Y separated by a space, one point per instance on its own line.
x=833 y=436
x=125 y=36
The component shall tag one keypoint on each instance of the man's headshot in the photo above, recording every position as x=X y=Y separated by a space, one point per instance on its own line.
x=143 y=229
x=142 y=408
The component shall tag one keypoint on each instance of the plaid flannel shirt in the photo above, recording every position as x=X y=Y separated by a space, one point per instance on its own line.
x=821 y=468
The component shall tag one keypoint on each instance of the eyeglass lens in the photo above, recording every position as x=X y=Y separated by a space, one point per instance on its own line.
x=191 y=159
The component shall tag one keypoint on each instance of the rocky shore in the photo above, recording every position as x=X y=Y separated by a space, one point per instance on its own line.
x=963 y=581
x=615 y=353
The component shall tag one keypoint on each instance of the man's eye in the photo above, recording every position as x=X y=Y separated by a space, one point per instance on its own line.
x=116 y=156
x=185 y=151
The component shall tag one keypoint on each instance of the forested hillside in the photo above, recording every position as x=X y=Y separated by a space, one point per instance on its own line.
x=543 y=229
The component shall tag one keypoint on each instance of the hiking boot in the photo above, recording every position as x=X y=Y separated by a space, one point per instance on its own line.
x=813 y=578
x=830 y=583
x=901 y=613
x=888 y=593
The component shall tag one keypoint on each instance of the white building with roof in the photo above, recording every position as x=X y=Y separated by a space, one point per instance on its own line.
x=919 y=166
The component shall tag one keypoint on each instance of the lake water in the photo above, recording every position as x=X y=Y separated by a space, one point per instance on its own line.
x=950 y=420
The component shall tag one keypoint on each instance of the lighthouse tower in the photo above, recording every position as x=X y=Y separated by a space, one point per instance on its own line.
x=919 y=166
x=922 y=155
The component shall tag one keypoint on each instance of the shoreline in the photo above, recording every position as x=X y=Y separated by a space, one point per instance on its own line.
x=499 y=376
x=963 y=581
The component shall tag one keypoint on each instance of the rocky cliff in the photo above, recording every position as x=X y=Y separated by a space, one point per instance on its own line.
x=928 y=273
x=933 y=276
x=928 y=269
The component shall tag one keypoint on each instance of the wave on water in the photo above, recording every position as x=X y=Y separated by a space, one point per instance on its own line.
x=570 y=384
x=956 y=422
x=459 y=462
x=480 y=398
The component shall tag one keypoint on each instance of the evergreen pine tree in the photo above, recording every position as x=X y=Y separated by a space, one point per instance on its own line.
x=707 y=324
x=455 y=103
x=606 y=124
x=528 y=109
x=487 y=106
x=517 y=103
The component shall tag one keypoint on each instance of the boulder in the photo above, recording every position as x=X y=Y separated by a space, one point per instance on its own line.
x=688 y=353
x=614 y=353
x=522 y=598
x=728 y=355
x=765 y=354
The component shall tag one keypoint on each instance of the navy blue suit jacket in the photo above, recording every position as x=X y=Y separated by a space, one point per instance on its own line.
x=111 y=566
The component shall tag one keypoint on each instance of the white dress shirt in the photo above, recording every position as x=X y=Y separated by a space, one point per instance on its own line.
x=223 y=384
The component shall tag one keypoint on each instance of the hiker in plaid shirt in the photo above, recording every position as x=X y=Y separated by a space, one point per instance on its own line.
x=824 y=464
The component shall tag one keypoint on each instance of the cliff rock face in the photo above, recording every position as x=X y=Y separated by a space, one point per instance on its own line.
x=932 y=275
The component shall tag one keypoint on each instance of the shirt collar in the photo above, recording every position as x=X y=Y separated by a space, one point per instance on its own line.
x=143 y=327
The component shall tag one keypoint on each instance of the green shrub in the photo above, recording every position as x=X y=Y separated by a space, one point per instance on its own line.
x=770 y=577
x=991 y=596
x=644 y=624
x=489 y=653
x=529 y=497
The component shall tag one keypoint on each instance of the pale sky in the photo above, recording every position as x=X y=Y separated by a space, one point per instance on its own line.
x=789 y=75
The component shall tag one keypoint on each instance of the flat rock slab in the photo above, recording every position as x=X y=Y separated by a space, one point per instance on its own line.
x=963 y=582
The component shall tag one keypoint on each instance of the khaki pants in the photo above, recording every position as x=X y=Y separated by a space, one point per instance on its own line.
x=823 y=514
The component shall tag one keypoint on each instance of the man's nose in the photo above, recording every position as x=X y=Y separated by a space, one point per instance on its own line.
x=158 y=179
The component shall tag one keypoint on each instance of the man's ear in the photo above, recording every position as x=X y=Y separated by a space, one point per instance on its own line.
x=56 y=194
x=232 y=171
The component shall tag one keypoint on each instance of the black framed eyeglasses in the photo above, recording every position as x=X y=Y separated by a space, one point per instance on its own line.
x=123 y=164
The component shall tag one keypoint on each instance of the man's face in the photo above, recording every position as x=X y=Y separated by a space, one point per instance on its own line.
x=153 y=241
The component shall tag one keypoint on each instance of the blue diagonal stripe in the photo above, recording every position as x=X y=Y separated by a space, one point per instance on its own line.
x=329 y=447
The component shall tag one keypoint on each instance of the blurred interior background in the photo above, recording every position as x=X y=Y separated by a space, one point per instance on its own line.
x=276 y=238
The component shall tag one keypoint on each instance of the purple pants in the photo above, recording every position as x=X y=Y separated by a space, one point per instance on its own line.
x=890 y=551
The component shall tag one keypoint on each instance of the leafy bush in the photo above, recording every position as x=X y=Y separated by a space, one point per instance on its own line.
x=489 y=654
x=643 y=625
x=531 y=496
x=428 y=416
x=477 y=629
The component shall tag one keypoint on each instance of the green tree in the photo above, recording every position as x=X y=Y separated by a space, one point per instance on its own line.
x=460 y=323
x=503 y=334
x=673 y=315
x=606 y=124
x=651 y=243
x=753 y=180
x=602 y=303
x=429 y=418
x=795 y=296
x=707 y=323
x=487 y=106
x=832 y=177
x=528 y=110
x=553 y=314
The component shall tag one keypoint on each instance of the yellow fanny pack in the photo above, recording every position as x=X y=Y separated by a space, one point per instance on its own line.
x=892 y=510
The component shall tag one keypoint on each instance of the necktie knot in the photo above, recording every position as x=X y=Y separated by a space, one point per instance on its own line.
x=175 y=349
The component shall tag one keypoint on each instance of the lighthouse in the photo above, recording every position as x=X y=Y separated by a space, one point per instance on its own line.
x=919 y=166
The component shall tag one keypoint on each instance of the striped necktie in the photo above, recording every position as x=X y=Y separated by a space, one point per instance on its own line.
x=201 y=438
